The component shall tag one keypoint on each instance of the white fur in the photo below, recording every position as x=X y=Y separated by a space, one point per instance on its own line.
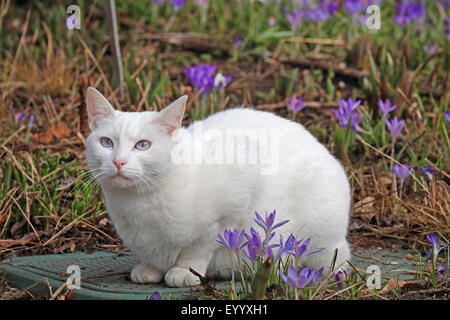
x=172 y=222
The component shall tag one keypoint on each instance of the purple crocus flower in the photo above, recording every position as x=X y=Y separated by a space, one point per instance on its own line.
x=271 y=21
x=322 y=11
x=232 y=240
x=18 y=116
x=347 y=110
x=296 y=104
x=286 y=248
x=267 y=222
x=447 y=28
x=385 y=107
x=402 y=171
x=340 y=276
x=408 y=11
x=221 y=81
x=294 y=18
x=354 y=7
x=431 y=49
x=447 y=116
x=435 y=246
x=30 y=121
x=256 y=248
x=300 y=250
x=201 y=77
x=444 y=3
x=301 y=279
x=156 y=296
x=395 y=126
x=238 y=41
x=427 y=171
x=177 y=4
x=201 y=3
x=441 y=270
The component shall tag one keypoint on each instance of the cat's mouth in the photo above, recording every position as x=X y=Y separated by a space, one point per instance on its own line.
x=119 y=176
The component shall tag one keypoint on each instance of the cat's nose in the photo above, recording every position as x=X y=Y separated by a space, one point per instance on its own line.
x=119 y=163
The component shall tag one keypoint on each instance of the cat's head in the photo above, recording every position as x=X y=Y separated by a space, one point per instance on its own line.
x=130 y=149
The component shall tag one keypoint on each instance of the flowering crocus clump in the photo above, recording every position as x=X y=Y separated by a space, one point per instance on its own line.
x=260 y=252
x=347 y=111
x=323 y=10
x=395 y=126
x=354 y=7
x=402 y=171
x=409 y=10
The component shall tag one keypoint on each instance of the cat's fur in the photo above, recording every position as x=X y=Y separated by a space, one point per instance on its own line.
x=169 y=214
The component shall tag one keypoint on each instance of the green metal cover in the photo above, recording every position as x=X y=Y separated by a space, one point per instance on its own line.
x=25 y=271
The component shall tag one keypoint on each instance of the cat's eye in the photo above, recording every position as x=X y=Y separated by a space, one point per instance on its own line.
x=143 y=145
x=106 y=142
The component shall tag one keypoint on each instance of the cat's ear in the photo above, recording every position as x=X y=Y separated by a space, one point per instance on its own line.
x=98 y=107
x=172 y=115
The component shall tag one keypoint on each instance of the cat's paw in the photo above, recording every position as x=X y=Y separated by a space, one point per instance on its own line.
x=143 y=273
x=181 y=277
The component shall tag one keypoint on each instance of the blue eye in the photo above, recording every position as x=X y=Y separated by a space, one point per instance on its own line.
x=106 y=142
x=143 y=145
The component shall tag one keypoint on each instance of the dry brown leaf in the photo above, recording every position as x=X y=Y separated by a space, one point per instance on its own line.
x=58 y=131
x=364 y=208
x=394 y=284
x=61 y=130
x=409 y=256
x=42 y=137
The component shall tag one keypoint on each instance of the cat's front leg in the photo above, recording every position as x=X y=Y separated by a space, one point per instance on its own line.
x=143 y=273
x=195 y=257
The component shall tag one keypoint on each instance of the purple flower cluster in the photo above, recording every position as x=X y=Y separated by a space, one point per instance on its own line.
x=257 y=248
x=323 y=10
x=409 y=10
x=347 y=111
x=202 y=78
x=300 y=277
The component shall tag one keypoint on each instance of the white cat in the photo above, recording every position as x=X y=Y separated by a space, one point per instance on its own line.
x=169 y=212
